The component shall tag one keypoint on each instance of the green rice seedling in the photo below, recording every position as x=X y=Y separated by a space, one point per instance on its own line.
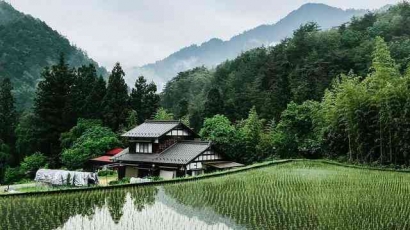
x=296 y=195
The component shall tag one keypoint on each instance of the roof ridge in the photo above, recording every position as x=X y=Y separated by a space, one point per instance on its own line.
x=162 y=121
x=195 y=142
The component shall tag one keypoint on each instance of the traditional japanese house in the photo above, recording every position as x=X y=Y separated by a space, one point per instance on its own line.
x=167 y=149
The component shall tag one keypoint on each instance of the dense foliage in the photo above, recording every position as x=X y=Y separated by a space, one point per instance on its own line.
x=297 y=69
x=115 y=101
x=340 y=93
x=362 y=117
x=216 y=51
x=32 y=163
x=7 y=122
x=369 y=119
x=27 y=45
x=93 y=141
x=144 y=99
x=73 y=108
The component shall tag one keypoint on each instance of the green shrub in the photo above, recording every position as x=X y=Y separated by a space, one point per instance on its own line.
x=156 y=178
x=32 y=163
x=92 y=143
x=106 y=172
x=13 y=175
x=125 y=180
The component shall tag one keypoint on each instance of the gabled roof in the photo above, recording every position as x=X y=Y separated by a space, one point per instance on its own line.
x=102 y=159
x=180 y=153
x=153 y=129
x=114 y=152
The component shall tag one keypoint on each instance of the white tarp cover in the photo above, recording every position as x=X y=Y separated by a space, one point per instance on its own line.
x=138 y=180
x=62 y=177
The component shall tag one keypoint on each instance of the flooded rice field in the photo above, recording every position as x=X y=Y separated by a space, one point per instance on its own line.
x=298 y=195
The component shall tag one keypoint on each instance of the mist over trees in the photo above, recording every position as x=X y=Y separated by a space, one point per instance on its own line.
x=27 y=46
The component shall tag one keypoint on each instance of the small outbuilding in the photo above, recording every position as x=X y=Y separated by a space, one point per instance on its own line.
x=100 y=162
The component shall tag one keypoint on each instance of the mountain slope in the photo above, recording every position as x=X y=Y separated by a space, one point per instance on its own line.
x=216 y=51
x=27 y=45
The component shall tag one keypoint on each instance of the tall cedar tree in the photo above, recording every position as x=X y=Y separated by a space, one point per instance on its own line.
x=26 y=133
x=84 y=81
x=51 y=106
x=115 y=103
x=7 y=112
x=7 y=123
x=144 y=99
x=94 y=100
x=214 y=104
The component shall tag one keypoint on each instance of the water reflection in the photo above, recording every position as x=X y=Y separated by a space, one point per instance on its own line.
x=130 y=208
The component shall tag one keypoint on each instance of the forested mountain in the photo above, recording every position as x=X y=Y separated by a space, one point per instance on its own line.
x=215 y=51
x=27 y=45
x=296 y=69
x=342 y=93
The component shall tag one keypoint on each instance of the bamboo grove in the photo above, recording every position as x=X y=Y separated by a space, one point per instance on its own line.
x=370 y=119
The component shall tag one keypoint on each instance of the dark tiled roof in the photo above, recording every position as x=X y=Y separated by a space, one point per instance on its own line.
x=180 y=153
x=152 y=129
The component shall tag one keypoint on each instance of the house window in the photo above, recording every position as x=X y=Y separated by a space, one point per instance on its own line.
x=143 y=148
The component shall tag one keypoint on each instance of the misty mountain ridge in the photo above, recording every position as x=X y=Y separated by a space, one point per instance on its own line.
x=215 y=51
x=27 y=45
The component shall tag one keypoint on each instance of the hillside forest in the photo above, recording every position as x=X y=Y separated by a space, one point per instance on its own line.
x=27 y=45
x=342 y=93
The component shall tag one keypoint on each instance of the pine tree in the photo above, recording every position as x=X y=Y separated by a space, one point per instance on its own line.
x=93 y=102
x=84 y=80
x=51 y=106
x=115 y=103
x=143 y=99
x=7 y=112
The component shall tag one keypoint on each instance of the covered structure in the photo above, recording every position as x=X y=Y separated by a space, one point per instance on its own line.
x=63 y=177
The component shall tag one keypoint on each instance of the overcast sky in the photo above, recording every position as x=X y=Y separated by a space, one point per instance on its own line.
x=136 y=32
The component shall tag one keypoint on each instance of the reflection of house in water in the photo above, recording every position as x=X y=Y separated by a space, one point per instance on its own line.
x=167 y=149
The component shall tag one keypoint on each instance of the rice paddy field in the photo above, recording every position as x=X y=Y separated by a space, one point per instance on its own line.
x=295 y=195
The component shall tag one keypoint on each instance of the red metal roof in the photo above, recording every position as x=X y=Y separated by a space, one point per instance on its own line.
x=105 y=159
x=114 y=152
